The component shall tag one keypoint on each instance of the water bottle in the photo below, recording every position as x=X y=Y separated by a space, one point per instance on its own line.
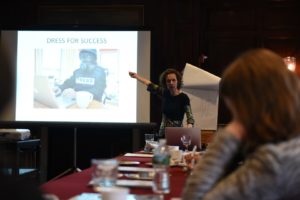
x=161 y=163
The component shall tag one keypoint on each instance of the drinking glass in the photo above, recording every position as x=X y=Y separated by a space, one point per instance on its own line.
x=148 y=139
x=186 y=141
x=105 y=172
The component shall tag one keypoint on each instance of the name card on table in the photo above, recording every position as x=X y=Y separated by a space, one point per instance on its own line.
x=139 y=155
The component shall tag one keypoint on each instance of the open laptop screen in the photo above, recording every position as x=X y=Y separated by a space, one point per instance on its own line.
x=173 y=137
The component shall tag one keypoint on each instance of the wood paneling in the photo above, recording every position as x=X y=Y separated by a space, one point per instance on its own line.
x=232 y=27
x=207 y=136
x=222 y=49
x=101 y=15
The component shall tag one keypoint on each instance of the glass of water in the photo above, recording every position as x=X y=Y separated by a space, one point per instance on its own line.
x=186 y=141
x=148 y=139
x=105 y=172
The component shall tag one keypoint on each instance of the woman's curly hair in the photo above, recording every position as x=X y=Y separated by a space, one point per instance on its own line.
x=162 y=78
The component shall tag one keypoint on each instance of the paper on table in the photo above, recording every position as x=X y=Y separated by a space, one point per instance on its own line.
x=134 y=183
x=97 y=196
x=87 y=196
x=139 y=155
x=140 y=176
x=129 y=163
x=130 y=183
x=136 y=169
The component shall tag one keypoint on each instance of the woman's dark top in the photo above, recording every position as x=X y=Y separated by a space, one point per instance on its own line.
x=173 y=108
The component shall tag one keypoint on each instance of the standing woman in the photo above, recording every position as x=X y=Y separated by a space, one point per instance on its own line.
x=175 y=103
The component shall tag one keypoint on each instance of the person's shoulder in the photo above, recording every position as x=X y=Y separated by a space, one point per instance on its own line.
x=281 y=154
x=100 y=69
x=184 y=95
x=284 y=147
x=279 y=163
x=78 y=70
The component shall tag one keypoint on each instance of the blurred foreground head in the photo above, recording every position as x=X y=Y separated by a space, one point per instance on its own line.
x=6 y=81
x=264 y=94
x=12 y=187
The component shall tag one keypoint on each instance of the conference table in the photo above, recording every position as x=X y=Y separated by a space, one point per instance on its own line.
x=77 y=183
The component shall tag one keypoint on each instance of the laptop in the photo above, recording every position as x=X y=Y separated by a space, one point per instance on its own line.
x=44 y=94
x=173 y=137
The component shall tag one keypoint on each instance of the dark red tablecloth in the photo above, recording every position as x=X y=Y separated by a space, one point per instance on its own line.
x=77 y=183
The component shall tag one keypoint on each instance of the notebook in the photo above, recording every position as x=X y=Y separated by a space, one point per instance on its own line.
x=44 y=94
x=173 y=137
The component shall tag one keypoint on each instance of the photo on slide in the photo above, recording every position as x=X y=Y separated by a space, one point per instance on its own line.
x=76 y=78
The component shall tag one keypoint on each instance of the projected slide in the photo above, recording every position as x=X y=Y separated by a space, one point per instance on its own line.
x=78 y=76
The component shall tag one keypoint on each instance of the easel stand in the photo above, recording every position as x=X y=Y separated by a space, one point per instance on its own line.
x=74 y=168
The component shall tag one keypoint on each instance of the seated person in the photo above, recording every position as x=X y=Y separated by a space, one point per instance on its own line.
x=12 y=187
x=257 y=155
